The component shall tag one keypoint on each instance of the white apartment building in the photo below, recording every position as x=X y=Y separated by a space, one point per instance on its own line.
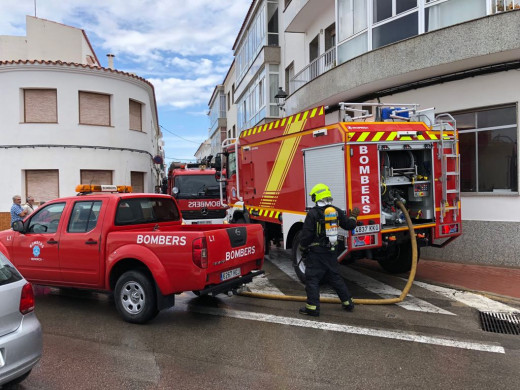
x=66 y=120
x=459 y=56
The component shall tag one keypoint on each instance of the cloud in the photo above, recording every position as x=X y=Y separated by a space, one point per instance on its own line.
x=182 y=93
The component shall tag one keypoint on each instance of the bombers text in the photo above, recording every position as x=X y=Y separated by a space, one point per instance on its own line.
x=250 y=250
x=161 y=239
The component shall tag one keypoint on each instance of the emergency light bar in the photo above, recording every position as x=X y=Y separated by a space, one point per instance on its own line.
x=83 y=188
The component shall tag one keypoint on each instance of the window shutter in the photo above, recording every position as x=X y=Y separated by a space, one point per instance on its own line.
x=94 y=109
x=96 y=177
x=40 y=106
x=136 y=120
x=43 y=185
x=137 y=179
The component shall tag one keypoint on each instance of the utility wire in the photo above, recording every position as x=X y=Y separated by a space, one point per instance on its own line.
x=185 y=139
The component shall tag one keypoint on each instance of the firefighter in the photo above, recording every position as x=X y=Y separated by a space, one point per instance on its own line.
x=318 y=246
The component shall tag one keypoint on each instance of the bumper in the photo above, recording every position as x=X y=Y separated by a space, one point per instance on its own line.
x=231 y=285
x=21 y=349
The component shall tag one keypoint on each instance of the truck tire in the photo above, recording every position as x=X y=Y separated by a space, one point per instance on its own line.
x=299 y=266
x=135 y=297
x=398 y=258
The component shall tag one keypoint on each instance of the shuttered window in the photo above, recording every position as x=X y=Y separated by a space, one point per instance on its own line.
x=42 y=185
x=40 y=106
x=96 y=177
x=136 y=116
x=94 y=109
x=137 y=179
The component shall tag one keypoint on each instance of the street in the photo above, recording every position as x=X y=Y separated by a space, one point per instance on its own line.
x=431 y=340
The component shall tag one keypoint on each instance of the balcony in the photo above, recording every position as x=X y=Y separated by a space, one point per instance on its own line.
x=300 y=14
x=317 y=67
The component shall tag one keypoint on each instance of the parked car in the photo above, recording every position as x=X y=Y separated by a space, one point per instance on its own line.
x=20 y=330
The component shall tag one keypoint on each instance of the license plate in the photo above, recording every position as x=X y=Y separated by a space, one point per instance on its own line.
x=367 y=229
x=229 y=274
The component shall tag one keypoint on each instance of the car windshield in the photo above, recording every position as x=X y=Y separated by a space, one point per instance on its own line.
x=197 y=186
x=8 y=274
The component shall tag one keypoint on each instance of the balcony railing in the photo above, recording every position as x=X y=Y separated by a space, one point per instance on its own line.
x=317 y=67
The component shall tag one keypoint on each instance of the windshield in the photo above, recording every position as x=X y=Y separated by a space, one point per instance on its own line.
x=8 y=273
x=197 y=186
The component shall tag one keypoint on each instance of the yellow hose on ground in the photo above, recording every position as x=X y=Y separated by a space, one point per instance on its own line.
x=386 y=301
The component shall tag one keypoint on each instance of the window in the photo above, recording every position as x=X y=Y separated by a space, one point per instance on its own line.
x=228 y=101
x=40 y=106
x=488 y=149
x=95 y=177
x=231 y=164
x=395 y=30
x=448 y=13
x=94 y=109
x=352 y=16
x=84 y=216
x=46 y=219
x=384 y=9
x=146 y=210
x=136 y=115
x=137 y=181
x=42 y=184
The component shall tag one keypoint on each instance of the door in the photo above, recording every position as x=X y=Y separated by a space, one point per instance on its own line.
x=80 y=244
x=35 y=253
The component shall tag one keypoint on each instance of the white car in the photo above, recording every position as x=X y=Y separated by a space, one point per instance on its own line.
x=20 y=330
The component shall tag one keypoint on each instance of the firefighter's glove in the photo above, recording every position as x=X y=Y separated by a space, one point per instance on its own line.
x=305 y=252
x=354 y=213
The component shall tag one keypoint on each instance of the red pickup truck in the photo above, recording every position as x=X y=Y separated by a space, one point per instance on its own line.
x=135 y=246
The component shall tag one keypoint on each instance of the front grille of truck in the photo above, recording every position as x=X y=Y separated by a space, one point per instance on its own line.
x=197 y=214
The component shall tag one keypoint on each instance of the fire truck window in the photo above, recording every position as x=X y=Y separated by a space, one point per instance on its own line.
x=146 y=210
x=84 y=216
x=46 y=219
x=197 y=186
x=231 y=165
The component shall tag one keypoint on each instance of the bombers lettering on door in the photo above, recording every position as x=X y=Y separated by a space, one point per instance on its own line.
x=157 y=239
x=364 y=186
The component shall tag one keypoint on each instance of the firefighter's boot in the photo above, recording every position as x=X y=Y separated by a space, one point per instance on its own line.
x=310 y=310
x=348 y=305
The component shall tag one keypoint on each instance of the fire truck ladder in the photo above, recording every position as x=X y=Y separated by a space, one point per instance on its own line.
x=446 y=125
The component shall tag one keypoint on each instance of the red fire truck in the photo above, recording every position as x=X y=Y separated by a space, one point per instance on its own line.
x=373 y=156
x=197 y=193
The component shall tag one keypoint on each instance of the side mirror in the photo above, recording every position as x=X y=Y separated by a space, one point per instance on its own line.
x=18 y=226
x=218 y=163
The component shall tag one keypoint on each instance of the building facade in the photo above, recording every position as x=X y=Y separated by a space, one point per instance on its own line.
x=459 y=56
x=66 y=123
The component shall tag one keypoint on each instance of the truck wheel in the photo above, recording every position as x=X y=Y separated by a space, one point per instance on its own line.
x=135 y=297
x=398 y=258
x=298 y=264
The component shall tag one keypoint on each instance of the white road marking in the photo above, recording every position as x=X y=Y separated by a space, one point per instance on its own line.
x=476 y=301
x=373 y=332
x=261 y=284
x=385 y=291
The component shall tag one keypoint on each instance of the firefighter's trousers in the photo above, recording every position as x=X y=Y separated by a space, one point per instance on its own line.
x=323 y=267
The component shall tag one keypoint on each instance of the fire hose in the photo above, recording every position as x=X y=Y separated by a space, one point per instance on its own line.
x=385 y=301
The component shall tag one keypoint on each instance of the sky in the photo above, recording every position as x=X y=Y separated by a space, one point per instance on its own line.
x=183 y=47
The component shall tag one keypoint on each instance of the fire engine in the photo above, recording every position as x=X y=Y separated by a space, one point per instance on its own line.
x=375 y=155
x=197 y=192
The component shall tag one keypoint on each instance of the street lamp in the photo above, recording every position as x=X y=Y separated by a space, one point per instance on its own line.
x=280 y=98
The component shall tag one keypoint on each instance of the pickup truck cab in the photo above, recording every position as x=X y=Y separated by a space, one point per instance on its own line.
x=135 y=246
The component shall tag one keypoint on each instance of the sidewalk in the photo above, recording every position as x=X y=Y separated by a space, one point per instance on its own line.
x=488 y=279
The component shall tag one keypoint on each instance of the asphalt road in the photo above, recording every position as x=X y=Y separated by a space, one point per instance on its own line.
x=433 y=340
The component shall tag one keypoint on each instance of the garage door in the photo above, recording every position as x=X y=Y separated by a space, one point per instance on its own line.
x=137 y=179
x=43 y=185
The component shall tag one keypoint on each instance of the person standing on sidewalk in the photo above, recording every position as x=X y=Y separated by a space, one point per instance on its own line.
x=17 y=211
x=30 y=207
x=318 y=247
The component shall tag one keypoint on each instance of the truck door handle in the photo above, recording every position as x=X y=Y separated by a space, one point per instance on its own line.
x=52 y=241
x=91 y=242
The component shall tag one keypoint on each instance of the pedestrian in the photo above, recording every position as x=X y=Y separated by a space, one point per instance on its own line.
x=319 y=249
x=30 y=207
x=17 y=211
